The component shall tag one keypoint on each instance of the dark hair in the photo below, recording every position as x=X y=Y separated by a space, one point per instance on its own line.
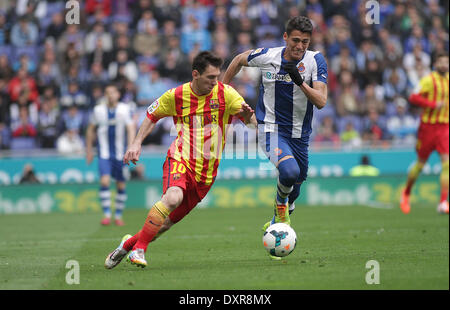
x=300 y=23
x=365 y=160
x=440 y=54
x=111 y=84
x=205 y=58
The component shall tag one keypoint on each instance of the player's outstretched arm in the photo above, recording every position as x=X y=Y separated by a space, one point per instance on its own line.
x=134 y=149
x=235 y=66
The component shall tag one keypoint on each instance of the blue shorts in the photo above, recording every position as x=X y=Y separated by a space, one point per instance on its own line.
x=112 y=167
x=276 y=147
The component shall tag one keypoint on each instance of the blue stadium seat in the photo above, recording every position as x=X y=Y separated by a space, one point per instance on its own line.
x=6 y=50
x=31 y=51
x=23 y=143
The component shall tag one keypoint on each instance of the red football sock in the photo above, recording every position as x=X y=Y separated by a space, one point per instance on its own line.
x=128 y=245
x=444 y=180
x=408 y=188
x=155 y=219
x=444 y=195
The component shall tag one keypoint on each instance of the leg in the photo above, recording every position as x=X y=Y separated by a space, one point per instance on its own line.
x=278 y=150
x=177 y=214
x=288 y=175
x=104 y=167
x=414 y=174
x=105 y=198
x=293 y=196
x=121 y=198
x=443 y=206
x=301 y=153
x=157 y=215
x=289 y=172
x=443 y=150
x=444 y=177
x=412 y=177
x=165 y=227
x=425 y=145
x=173 y=189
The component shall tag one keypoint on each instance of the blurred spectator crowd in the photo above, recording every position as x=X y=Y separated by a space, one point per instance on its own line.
x=52 y=73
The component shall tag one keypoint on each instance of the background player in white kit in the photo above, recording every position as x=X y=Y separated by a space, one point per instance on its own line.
x=115 y=130
x=293 y=81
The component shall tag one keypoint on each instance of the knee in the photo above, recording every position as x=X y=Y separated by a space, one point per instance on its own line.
x=173 y=198
x=289 y=172
x=121 y=186
x=105 y=181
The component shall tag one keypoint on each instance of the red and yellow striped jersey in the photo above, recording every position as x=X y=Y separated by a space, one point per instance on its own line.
x=435 y=88
x=201 y=124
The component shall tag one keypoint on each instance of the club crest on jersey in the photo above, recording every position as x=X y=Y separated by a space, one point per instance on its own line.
x=214 y=104
x=301 y=67
x=258 y=50
x=152 y=108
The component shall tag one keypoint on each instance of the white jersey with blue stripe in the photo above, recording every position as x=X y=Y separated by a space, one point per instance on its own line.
x=111 y=129
x=281 y=103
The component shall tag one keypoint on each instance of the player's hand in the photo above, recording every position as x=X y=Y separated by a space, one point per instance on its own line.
x=291 y=69
x=132 y=154
x=246 y=112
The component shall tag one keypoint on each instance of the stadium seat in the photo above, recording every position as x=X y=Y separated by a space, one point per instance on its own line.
x=23 y=143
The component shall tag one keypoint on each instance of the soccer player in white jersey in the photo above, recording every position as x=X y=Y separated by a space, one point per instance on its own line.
x=294 y=80
x=115 y=130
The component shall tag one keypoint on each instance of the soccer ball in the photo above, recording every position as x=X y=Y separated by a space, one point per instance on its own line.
x=279 y=239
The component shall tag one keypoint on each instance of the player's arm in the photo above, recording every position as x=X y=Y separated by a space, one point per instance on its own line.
x=421 y=101
x=317 y=94
x=162 y=107
x=131 y=132
x=238 y=107
x=419 y=97
x=90 y=137
x=235 y=66
x=134 y=149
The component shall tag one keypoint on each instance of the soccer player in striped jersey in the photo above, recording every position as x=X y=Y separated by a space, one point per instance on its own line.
x=432 y=94
x=201 y=110
x=294 y=81
x=115 y=130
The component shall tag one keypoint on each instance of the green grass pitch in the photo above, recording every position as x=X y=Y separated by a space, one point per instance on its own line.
x=222 y=249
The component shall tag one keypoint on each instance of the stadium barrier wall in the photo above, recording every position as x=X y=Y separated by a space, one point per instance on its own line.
x=257 y=193
x=56 y=170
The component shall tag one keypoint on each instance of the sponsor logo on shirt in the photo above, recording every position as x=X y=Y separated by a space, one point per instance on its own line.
x=277 y=77
x=152 y=108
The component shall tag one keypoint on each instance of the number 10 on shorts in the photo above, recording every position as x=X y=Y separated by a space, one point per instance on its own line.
x=177 y=169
